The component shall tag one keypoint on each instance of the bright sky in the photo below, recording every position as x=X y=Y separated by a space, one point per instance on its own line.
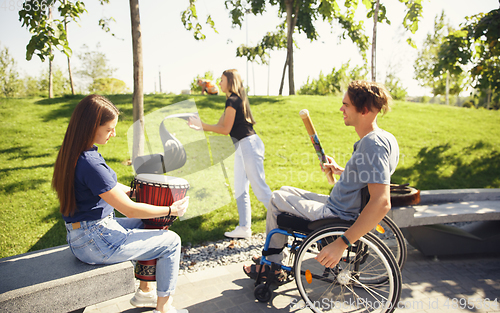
x=169 y=48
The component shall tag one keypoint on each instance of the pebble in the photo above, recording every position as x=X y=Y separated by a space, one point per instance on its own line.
x=220 y=253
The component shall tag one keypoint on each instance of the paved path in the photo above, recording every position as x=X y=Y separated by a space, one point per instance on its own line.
x=429 y=285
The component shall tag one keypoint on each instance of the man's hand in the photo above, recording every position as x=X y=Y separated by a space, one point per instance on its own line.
x=331 y=254
x=333 y=166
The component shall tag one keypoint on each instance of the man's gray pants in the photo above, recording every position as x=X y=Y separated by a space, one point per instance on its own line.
x=305 y=204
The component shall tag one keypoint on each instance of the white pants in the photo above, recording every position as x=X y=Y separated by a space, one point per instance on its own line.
x=249 y=170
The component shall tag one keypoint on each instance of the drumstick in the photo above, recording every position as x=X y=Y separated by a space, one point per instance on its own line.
x=304 y=114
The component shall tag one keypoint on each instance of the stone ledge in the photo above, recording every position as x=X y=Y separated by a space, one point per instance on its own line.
x=54 y=280
x=449 y=206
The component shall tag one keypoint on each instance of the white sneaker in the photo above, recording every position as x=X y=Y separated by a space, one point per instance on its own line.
x=239 y=232
x=143 y=299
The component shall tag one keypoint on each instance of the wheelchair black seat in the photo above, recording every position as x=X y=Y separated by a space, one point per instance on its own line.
x=328 y=221
x=293 y=223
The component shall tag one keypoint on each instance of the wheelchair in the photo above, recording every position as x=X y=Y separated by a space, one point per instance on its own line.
x=367 y=278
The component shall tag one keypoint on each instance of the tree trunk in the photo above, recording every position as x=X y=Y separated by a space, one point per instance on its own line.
x=138 y=96
x=283 y=76
x=289 y=42
x=374 y=42
x=51 y=88
x=69 y=61
x=447 y=91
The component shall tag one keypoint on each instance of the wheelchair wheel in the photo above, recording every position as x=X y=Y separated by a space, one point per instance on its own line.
x=391 y=235
x=262 y=293
x=347 y=287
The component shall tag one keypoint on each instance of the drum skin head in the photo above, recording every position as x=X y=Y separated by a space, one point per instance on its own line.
x=162 y=179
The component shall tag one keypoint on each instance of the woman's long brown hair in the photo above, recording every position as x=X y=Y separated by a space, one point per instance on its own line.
x=92 y=112
x=235 y=85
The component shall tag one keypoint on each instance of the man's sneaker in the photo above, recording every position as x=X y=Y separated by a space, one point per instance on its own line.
x=143 y=299
x=239 y=232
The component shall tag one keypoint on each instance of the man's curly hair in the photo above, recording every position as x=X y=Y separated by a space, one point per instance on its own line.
x=370 y=95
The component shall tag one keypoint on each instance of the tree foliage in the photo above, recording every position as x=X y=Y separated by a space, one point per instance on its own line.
x=9 y=77
x=378 y=12
x=189 y=19
x=61 y=84
x=195 y=88
x=48 y=33
x=108 y=86
x=334 y=83
x=428 y=58
x=476 y=45
x=395 y=86
x=271 y=41
x=94 y=66
x=298 y=14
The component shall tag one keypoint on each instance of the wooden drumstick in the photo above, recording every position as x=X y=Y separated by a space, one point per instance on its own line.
x=304 y=114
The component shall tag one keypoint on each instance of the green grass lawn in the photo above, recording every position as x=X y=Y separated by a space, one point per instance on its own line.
x=441 y=148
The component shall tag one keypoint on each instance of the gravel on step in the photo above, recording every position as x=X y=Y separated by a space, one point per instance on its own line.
x=219 y=253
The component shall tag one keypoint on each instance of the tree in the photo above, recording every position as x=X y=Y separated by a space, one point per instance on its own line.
x=138 y=95
x=298 y=14
x=377 y=11
x=60 y=84
x=48 y=33
x=428 y=58
x=333 y=83
x=108 y=86
x=477 y=45
x=9 y=77
x=271 y=41
x=70 y=73
x=94 y=66
x=208 y=75
x=395 y=86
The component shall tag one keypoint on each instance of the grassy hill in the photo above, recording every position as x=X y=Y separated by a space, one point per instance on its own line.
x=441 y=148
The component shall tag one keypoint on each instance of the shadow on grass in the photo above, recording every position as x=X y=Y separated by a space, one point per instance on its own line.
x=67 y=104
x=482 y=172
x=22 y=152
x=56 y=236
x=10 y=169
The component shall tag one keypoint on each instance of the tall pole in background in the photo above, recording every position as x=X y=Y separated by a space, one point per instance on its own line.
x=159 y=77
x=268 y=72
x=246 y=43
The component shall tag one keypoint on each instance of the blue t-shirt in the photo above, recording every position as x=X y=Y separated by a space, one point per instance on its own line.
x=92 y=178
x=373 y=161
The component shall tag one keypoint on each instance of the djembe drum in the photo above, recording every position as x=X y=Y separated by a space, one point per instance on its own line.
x=161 y=190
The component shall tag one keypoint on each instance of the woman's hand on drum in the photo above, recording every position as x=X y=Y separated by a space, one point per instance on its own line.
x=194 y=122
x=179 y=207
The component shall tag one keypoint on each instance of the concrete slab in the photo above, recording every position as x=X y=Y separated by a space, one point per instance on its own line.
x=449 y=206
x=429 y=285
x=53 y=280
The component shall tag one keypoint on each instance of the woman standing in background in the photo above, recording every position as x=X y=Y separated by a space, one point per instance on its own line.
x=237 y=121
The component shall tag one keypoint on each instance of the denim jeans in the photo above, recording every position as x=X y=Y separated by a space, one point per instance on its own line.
x=114 y=240
x=249 y=170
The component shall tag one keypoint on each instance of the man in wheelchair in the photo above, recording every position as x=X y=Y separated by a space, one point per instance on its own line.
x=371 y=165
